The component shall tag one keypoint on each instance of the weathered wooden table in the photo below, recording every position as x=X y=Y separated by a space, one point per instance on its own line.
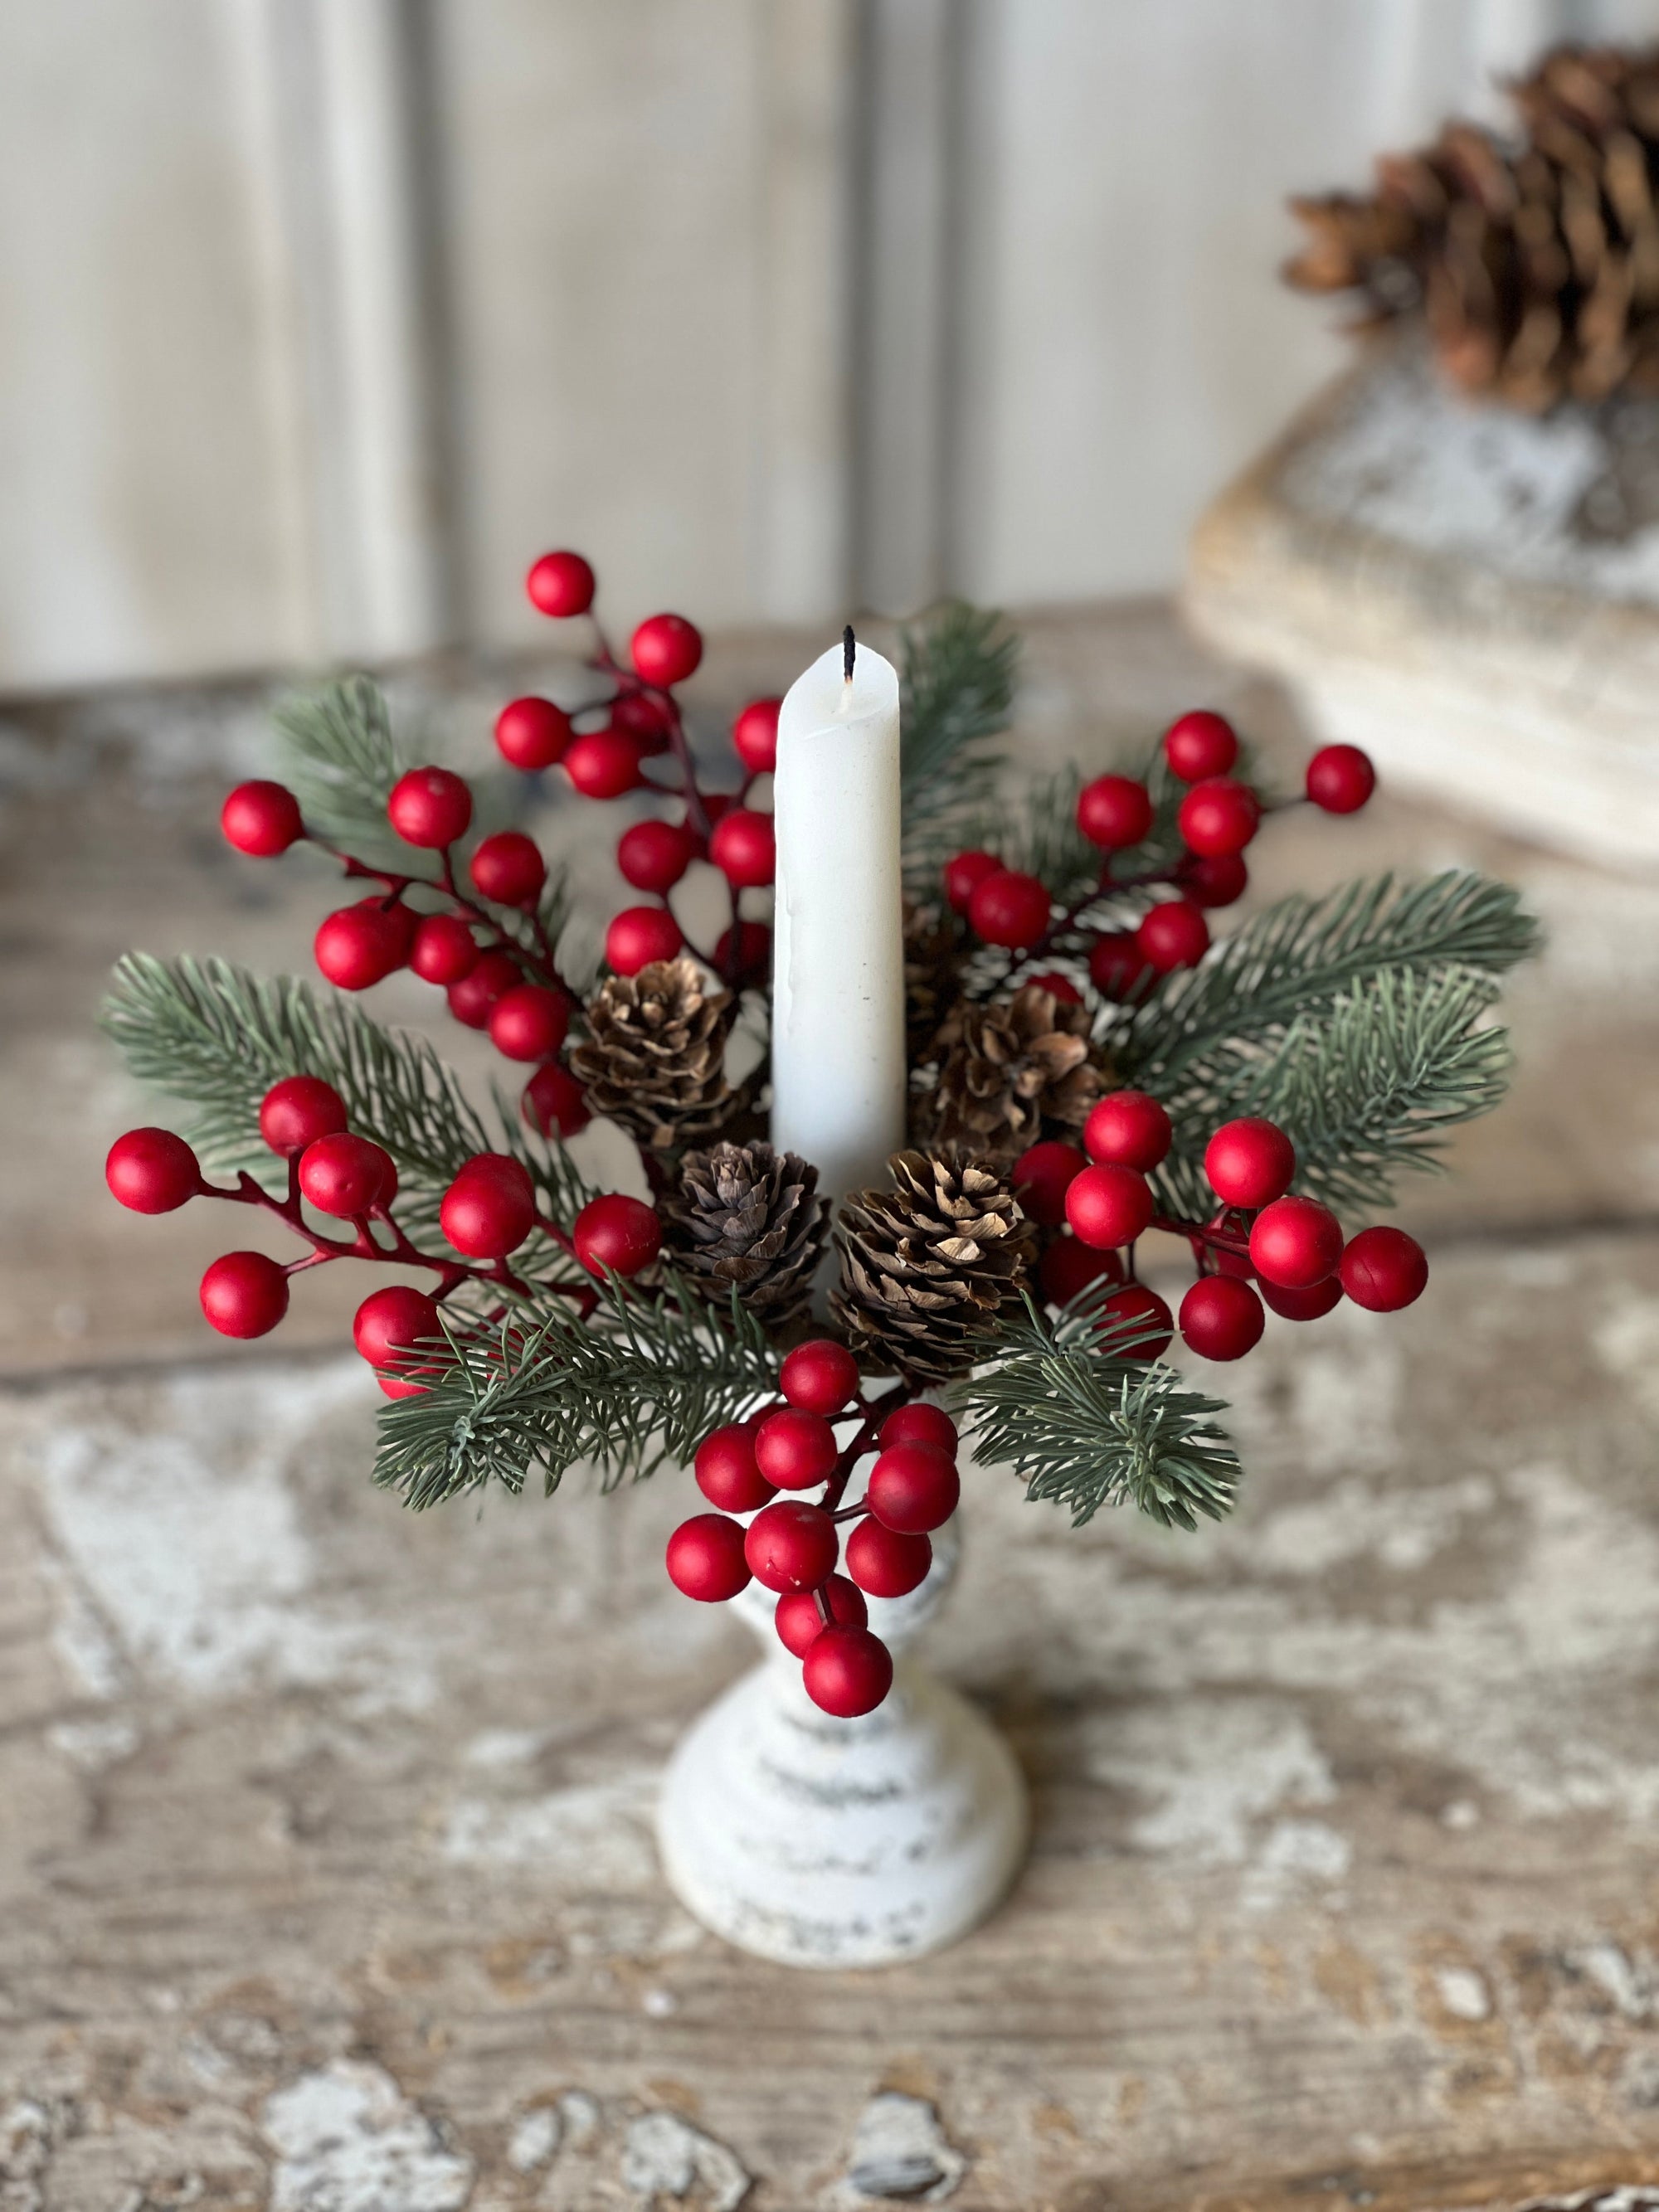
x=324 y=1830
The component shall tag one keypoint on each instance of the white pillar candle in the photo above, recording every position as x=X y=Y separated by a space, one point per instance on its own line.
x=839 y=1080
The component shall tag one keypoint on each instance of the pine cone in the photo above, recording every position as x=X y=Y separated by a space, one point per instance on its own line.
x=747 y=1216
x=933 y=952
x=927 y=1267
x=655 y=1055
x=1006 y=1068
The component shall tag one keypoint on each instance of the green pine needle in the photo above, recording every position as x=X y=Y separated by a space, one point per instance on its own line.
x=339 y=758
x=956 y=681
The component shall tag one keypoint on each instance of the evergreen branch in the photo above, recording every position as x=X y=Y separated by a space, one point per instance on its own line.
x=340 y=760
x=956 y=682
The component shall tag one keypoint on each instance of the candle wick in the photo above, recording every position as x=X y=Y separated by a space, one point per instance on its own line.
x=849 y=646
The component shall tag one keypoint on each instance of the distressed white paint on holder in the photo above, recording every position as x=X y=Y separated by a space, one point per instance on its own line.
x=818 y=1841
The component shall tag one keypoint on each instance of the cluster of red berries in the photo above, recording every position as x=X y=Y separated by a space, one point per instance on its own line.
x=1261 y=1244
x=793 y=1545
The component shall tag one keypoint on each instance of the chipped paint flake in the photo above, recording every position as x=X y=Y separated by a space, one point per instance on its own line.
x=664 y=2155
x=348 y=2140
x=1463 y=1992
x=900 y=2152
x=534 y=2140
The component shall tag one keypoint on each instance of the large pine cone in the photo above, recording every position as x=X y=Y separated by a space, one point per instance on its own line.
x=1006 y=1068
x=747 y=1216
x=927 y=1267
x=655 y=1055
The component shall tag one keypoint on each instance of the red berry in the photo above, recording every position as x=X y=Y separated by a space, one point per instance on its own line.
x=343 y=1175
x=244 y=1294
x=1130 y=1130
x=799 y=1622
x=1201 y=744
x=664 y=650
x=555 y=1102
x=1384 y=1269
x=791 y=1546
x=846 y=1672
x=1056 y=985
x=1135 y=1323
x=1010 y=908
x=1229 y=1262
x=727 y=1474
x=1173 y=935
x=820 y=1377
x=1211 y=879
x=921 y=1424
x=1114 y=811
x=617 y=1234
x=640 y=935
x=561 y=584
x=490 y=977
x=1221 y=1318
x=529 y=1022
x=795 y=1450
x=705 y=1559
x=509 y=869
x=392 y=1320
x=1296 y=1243
x=885 y=1563
x=359 y=945
x=151 y=1171
x=653 y=856
x=914 y=1488
x=603 y=763
x=754 y=952
x=1117 y=967
x=444 y=950
x=261 y=819
x=429 y=807
x=1110 y=1207
x=1303 y=1305
x=1340 y=779
x=742 y=848
x=531 y=734
x=489 y=1208
x=1069 y=1266
x=299 y=1109
x=1041 y=1176
x=755 y=736
x=1249 y=1163
x=1218 y=816
x=648 y=721
x=964 y=874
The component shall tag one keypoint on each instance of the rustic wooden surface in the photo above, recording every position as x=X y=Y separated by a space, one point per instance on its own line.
x=324 y=1850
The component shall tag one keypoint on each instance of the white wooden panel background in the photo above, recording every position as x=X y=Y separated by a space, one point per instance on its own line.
x=317 y=318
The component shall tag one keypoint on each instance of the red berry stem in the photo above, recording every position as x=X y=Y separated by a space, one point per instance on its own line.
x=869 y=1429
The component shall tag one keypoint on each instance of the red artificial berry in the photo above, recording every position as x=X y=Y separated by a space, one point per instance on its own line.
x=964 y=874
x=1173 y=935
x=603 y=763
x=1384 y=1269
x=653 y=856
x=1136 y=1323
x=1056 y=985
x=727 y=1474
x=1303 y=1305
x=920 y=1425
x=795 y=1450
x=1114 y=811
x=617 y=1234
x=648 y=721
x=914 y=1488
x=1201 y=744
x=444 y=949
x=1117 y=967
x=359 y=945
x=1228 y=1262
x=429 y=807
x=489 y=1208
x=755 y=736
x=244 y=1294
x=1110 y=1207
x=754 y=952
x=799 y=1622
x=1221 y=1318
x=791 y=1546
x=706 y=1558
x=1296 y=1243
x=531 y=734
x=561 y=584
x=743 y=848
x=884 y=1562
x=490 y=977
x=1218 y=816
x=846 y=1672
x=151 y=1171
x=665 y=649
x=343 y=1175
x=262 y=820
x=1041 y=1176
x=1340 y=779
x=820 y=1377
x=1250 y=1162
x=299 y=1109
x=1129 y=1129
x=1211 y=879
x=555 y=1102
x=529 y=1022
x=1069 y=1266
x=392 y=1320
x=1010 y=908
x=509 y=869
x=640 y=935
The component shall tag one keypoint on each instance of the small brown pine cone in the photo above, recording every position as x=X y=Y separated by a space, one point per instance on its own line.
x=655 y=1055
x=933 y=952
x=748 y=1218
x=927 y=1267
x=1007 y=1067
